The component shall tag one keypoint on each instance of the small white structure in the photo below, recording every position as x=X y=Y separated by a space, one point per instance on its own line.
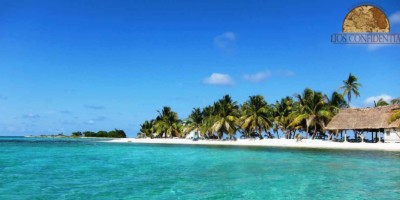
x=193 y=134
x=392 y=135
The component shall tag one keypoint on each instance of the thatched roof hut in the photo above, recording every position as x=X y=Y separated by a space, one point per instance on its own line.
x=364 y=119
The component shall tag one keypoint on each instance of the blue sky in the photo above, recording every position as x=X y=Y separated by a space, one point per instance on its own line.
x=97 y=65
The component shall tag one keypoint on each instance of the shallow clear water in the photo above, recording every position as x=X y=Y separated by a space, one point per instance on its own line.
x=85 y=169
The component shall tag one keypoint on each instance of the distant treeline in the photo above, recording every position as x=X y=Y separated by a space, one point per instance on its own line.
x=110 y=134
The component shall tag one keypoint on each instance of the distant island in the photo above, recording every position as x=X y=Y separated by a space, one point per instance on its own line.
x=116 y=133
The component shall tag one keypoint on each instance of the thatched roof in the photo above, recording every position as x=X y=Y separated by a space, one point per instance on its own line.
x=364 y=118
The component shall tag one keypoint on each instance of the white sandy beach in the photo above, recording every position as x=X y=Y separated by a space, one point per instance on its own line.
x=289 y=143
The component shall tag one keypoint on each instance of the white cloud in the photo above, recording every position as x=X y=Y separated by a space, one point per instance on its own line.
x=370 y=100
x=30 y=116
x=395 y=18
x=225 y=41
x=261 y=76
x=90 y=122
x=94 y=120
x=219 y=79
x=257 y=77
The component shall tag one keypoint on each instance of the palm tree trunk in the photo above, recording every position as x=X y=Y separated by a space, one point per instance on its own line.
x=341 y=135
x=307 y=132
x=286 y=133
x=220 y=134
x=315 y=132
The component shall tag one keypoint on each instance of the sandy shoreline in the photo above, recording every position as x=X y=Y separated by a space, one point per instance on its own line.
x=286 y=143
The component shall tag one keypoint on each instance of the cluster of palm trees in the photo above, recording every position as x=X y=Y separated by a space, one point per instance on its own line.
x=166 y=124
x=308 y=112
x=382 y=102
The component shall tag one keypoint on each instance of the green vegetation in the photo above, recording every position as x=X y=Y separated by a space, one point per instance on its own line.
x=167 y=123
x=116 y=133
x=146 y=129
x=350 y=87
x=284 y=114
x=313 y=109
x=194 y=122
x=396 y=115
x=307 y=113
x=380 y=102
x=76 y=134
x=256 y=116
x=225 y=117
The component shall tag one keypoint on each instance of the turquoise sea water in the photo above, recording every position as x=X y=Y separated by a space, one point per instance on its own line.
x=85 y=169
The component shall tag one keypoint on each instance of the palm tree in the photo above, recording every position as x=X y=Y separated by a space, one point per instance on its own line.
x=395 y=101
x=380 y=102
x=146 y=129
x=395 y=116
x=208 y=117
x=335 y=103
x=256 y=115
x=226 y=116
x=194 y=121
x=283 y=116
x=312 y=110
x=167 y=123
x=350 y=87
